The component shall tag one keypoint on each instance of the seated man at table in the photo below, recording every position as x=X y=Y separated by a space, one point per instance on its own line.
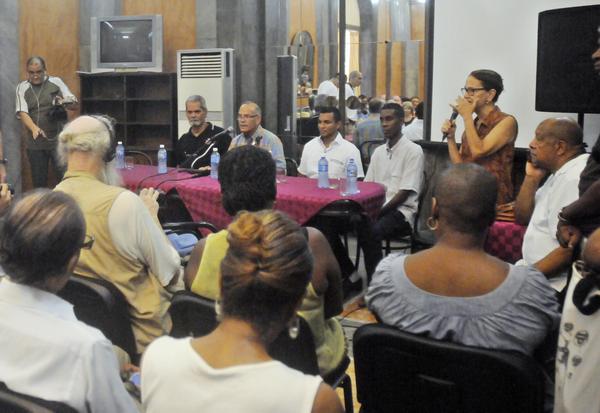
x=46 y=352
x=247 y=178
x=194 y=148
x=330 y=144
x=556 y=148
x=249 y=118
x=398 y=166
x=131 y=251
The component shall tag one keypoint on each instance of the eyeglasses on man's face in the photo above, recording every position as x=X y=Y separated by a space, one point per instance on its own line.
x=246 y=117
x=470 y=90
x=88 y=242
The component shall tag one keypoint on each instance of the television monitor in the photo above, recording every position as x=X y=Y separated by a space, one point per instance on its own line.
x=566 y=80
x=126 y=42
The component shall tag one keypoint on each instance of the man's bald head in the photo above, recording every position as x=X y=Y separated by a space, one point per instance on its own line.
x=562 y=129
x=466 y=198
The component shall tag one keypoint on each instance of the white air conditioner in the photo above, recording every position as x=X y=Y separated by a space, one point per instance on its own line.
x=209 y=73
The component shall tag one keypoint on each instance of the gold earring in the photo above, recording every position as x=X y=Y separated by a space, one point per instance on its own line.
x=432 y=223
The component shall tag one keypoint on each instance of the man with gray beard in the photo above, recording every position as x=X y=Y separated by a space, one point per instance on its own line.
x=130 y=249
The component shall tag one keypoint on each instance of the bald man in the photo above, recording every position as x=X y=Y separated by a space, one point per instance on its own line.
x=557 y=149
x=249 y=118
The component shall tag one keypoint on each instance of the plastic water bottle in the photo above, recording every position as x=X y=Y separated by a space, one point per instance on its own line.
x=120 y=155
x=351 y=173
x=215 y=158
x=323 y=181
x=162 y=160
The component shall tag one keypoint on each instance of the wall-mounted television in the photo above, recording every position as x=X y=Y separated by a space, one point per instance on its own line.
x=126 y=42
x=566 y=80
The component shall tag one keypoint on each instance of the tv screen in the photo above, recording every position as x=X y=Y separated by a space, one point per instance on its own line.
x=566 y=80
x=126 y=42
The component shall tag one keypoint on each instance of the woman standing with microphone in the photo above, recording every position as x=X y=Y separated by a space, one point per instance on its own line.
x=489 y=138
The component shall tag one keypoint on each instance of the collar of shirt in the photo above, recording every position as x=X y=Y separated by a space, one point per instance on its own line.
x=336 y=142
x=258 y=132
x=490 y=118
x=572 y=163
x=30 y=297
x=391 y=151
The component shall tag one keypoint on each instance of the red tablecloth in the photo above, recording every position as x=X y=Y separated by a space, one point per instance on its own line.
x=298 y=197
x=505 y=241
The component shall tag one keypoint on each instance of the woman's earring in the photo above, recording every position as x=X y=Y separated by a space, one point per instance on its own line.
x=294 y=328
x=218 y=310
x=432 y=223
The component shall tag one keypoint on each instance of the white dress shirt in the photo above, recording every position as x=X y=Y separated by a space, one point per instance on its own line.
x=49 y=354
x=559 y=190
x=337 y=154
x=399 y=168
x=327 y=88
x=414 y=131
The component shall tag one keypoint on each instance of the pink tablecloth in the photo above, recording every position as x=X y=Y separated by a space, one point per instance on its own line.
x=298 y=197
x=505 y=241
x=148 y=176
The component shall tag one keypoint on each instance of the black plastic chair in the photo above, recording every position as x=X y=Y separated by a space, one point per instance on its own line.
x=172 y=209
x=100 y=304
x=195 y=316
x=291 y=167
x=13 y=402
x=398 y=371
x=139 y=156
x=366 y=149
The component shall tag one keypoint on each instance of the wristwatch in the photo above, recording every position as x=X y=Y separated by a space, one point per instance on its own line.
x=3 y=161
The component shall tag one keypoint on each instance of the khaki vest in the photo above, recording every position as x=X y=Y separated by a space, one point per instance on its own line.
x=148 y=300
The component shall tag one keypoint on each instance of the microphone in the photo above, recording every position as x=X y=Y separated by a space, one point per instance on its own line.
x=452 y=119
x=257 y=140
x=223 y=132
x=210 y=142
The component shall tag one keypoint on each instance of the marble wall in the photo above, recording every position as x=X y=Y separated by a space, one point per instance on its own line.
x=9 y=77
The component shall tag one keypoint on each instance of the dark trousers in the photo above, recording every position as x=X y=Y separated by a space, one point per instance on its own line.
x=38 y=161
x=332 y=228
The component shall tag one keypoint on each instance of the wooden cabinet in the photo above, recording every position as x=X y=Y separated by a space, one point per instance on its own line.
x=143 y=105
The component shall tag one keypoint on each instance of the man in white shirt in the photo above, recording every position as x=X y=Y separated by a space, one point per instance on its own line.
x=330 y=144
x=414 y=131
x=329 y=87
x=46 y=352
x=131 y=250
x=398 y=166
x=557 y=148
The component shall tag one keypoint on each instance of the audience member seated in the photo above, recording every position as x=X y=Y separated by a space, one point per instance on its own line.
x=455 y=291
x=265 y=274
x=557 y=148
x=578 y=352
x=489 y=139
x=46 y=353
x=247 y=178
x=131 y=250
x=249 y=118
x=414 y=131
x=369 y=129
x=194 y=148
x=330 y=144
x=398 y=166
x=409 y=112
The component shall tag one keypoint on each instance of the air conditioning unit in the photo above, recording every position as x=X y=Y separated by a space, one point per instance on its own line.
x=209 y=73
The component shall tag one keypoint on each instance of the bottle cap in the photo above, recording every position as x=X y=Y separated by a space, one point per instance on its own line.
x=162 y=146
x=119 y=143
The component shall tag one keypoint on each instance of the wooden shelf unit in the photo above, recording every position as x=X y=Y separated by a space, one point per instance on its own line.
x=143 y=104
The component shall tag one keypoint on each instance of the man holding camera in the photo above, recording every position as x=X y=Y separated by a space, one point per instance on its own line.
x=41 y=105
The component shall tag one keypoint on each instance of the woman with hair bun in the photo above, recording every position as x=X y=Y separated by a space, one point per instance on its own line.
x=264 y=276
x=489 y=138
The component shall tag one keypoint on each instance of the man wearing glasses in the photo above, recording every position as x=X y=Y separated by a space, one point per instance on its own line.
x=249 y=118
x=40 y=105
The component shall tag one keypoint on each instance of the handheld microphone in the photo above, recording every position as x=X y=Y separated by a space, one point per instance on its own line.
x=452 y=119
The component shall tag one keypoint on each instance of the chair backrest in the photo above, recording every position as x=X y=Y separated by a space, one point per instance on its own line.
x=13 y=402
x=100 y=304
x=193 y=315
x=185 y=235
x=140 y=158
x=366 y=149
x=291 y=167
x=398 y=371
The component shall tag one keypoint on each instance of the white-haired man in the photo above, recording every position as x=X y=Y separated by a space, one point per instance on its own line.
x=131 y=250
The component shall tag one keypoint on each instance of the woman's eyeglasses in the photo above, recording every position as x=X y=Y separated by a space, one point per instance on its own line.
x=88 y=242
x=470 y=90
